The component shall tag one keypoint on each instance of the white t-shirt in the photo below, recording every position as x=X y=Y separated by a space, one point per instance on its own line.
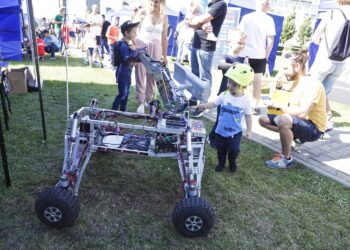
x=95 y=28
x=258 y=26
x=90 y=39
x=232 y=112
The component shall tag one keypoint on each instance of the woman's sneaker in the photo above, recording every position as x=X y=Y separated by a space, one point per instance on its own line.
x=141 y=109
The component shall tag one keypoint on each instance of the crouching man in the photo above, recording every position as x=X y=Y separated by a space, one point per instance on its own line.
x=304 y=118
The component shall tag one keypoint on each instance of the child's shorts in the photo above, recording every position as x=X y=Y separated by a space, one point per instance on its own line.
x=91 y=51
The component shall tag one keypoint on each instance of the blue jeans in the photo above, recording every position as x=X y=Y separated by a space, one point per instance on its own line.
x=123 y=93
x=230 y=147
x=51 y=49
x=104 y=45
x=201 y=62
x=111 y=53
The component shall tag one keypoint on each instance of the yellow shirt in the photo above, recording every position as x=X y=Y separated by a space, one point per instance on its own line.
x=308 y=89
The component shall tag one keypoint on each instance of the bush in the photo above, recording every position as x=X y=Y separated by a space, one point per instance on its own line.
x=305 y=31
x=288 y=27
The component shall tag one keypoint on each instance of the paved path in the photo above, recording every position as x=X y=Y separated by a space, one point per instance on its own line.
x=329 y=156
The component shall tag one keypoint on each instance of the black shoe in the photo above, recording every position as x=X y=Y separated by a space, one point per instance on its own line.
x=198 y=113
x=192 y=103
x=233 y=168
x=218 y=168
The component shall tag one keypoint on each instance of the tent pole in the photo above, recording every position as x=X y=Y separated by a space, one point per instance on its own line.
x=4 y=158
x=36 y=59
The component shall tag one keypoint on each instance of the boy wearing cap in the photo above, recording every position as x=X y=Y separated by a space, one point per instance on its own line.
x=127 y=52
x=234 y=103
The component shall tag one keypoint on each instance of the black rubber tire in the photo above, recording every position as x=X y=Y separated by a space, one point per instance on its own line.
x=57 y=207
x=196 y=210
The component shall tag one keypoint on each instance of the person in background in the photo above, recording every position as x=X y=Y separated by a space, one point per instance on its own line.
x=95 y=21
x=260 y=30
x=153 y=36
x=41 y=47
x=112 y=35
x=304 y=119
x=234 y=104
x=323 y=68
x=203 y=48
x=57 y=22
x=104 y=43
x=51 y=45
x=128 y=54
x=43 y=25
x=91 y=45
x=65 y=37
x=183 y=36
x=236 y=41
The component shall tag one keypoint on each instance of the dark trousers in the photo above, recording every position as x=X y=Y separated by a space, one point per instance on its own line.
x=121 y=99
x=104 y=45
x=228 y=146
x=51 y=49
x=111 y=53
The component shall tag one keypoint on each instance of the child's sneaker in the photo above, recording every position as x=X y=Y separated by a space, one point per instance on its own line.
x=218 y=168
x=280 y=162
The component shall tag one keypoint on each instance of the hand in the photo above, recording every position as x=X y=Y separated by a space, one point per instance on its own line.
x=165 y=60
x=267 y=71
x=207 y=27
x=201 y=106
x=269 y=104
x=249 y=135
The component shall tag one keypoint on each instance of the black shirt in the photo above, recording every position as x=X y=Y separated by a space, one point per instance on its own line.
x=105 y=26
x=217 y=9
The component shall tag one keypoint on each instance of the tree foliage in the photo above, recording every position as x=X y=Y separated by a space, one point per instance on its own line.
x=288 y=27
x=305 y=31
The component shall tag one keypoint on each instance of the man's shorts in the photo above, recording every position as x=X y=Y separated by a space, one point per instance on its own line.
x=304 y=130
x=258 y=65
x=91 y=51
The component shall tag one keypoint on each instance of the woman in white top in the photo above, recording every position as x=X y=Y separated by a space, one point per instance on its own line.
x=324 y=69
x=153 y=36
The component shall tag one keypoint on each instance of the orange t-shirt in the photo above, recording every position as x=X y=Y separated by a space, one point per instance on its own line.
x=114 y=32
x=41 y=46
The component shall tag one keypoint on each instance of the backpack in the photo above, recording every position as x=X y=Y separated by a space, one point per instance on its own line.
x=117 y=55
x=340 y=47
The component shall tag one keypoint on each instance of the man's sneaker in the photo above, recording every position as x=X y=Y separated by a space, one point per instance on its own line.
x=141 y=109
x=52 y=58
x=198 y=113
x=280 y=162
x=41 y=58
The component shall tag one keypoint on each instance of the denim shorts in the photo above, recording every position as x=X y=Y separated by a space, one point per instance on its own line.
x=304 y=130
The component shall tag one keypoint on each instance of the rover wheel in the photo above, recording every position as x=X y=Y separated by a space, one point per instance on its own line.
x=57 y=207
x=193 y=217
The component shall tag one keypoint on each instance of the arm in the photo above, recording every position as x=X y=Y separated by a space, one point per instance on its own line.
x=321 y=28
x=224 y=65
x=165 y=39
x=249 y=124
x=300 y=112
x=270 y=40
x=208 y=105
x=198 y=21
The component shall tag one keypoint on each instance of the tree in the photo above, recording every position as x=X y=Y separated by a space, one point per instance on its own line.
x=288 y=27
x=305 y=31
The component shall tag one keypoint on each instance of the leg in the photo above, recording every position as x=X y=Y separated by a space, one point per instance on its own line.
x=205 y=60
x=194 y=62
x=268 y=122
x=122 y=89
x=111 y=53
x=256 y=89
x=155 y=51
x=221 y=152
x=233 y=151
x=285 y=125
x=124 y=96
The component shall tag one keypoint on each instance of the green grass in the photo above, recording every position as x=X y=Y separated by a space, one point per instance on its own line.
x=126 y=201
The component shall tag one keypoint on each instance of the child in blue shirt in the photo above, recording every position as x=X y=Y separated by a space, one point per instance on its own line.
x=127 y=52
x=234 y=103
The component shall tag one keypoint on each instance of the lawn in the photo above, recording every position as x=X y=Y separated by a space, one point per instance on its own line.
x=126 y=201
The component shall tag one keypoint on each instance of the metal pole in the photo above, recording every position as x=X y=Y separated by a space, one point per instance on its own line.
x=36 y=59
x=4 y=158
